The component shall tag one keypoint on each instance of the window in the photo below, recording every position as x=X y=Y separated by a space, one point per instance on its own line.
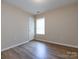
x=40 y=26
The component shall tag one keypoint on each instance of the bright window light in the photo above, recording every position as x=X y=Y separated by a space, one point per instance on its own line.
x=40 y=26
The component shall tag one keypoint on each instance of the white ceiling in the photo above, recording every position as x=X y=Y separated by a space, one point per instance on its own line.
x=33 y=6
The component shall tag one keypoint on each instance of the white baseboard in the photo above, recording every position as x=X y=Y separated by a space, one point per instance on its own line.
x=59 y=43
x=14 y=46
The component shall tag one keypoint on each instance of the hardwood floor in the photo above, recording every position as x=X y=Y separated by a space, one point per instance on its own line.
x=40 y=50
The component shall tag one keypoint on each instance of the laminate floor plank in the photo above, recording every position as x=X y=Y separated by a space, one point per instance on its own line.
x=40 y=50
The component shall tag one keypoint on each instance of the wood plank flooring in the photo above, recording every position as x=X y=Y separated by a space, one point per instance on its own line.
x=40 y=50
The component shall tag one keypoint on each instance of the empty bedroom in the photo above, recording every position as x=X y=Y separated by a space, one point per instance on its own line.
x=39 y=29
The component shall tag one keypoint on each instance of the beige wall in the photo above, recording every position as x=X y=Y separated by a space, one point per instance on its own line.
x=14 y=26
x=61 y=25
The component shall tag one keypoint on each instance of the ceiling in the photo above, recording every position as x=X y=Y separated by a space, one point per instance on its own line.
x=41 y=6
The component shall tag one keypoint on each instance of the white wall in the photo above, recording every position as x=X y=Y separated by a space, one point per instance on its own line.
x=61 y=25
x=14 y=26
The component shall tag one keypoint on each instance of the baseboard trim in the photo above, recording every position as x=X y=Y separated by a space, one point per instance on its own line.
x=59 y=43
x=14 y=46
